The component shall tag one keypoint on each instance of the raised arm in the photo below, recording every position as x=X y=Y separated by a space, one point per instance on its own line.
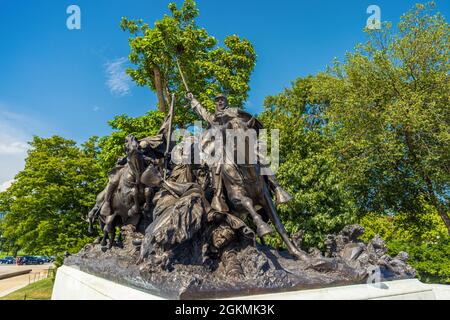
x=199 y=109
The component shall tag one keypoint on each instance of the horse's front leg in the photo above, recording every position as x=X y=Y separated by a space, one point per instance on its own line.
x=148 y=195
x=104 y=241
x=317 y=263
x=119 y=240
x=262 y=228
x=112 y=236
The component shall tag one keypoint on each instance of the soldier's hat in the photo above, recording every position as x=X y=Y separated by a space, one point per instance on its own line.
x=221 y=96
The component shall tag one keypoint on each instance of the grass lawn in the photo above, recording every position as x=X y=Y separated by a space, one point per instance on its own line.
x=40 y=290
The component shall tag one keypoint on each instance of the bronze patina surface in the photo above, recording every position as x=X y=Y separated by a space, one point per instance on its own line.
x=189 y=231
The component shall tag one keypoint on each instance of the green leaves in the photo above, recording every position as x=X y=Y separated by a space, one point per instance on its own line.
x=309 y=171
x=208 y=68
x=371 y=135
x=48 y=200
x=388 y=105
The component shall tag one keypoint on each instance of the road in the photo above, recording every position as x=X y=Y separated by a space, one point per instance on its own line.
x=12 y=284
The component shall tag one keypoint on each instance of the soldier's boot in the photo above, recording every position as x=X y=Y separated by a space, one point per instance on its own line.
x=282 y=196
x=262 y=228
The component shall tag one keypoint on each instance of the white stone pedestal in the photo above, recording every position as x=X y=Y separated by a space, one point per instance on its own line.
x=72 y=284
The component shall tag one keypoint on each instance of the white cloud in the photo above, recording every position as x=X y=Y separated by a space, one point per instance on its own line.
x=5 y=185
x=118 y=82
x=13 y=144
x=12 y=148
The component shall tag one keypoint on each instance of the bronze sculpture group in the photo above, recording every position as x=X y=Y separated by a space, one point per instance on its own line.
x=194 y=197
x=191 y=228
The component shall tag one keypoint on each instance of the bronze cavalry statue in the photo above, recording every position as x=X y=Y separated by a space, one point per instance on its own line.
x=244 y=184
x=197 y=229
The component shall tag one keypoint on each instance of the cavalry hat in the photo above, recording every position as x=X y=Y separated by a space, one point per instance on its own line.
x=220 y=96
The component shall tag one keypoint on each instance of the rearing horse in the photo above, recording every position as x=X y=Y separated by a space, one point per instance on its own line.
x=247 y=189
x=127 y=198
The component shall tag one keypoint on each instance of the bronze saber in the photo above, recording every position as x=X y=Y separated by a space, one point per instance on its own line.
x=182 y=75
x=169 y=135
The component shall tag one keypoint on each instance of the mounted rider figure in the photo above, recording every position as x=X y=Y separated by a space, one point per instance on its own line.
x=224 y=115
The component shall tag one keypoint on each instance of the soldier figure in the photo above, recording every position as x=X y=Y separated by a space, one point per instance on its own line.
x=224 y=114
x=221 y=118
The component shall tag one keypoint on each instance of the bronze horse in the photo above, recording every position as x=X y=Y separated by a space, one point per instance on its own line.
x=127 y=199
x=247 y=190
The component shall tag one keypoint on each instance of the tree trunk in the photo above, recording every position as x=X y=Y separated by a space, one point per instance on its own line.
x=167 y=94
x=445 y=218
x=159 y=89
x=440 y=208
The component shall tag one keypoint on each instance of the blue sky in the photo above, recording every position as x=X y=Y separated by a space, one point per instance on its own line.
x=71 y=82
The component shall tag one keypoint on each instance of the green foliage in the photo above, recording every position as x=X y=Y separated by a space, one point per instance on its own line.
x=431 y=260
x=46 y=204
x=426 y=241
x=371 y=136
x=308 y=169
x=388 y=105
x=208 y=68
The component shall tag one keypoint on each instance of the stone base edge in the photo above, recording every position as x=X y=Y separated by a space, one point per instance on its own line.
x=73 y=284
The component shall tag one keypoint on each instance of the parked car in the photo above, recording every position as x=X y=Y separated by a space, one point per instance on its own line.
x=43 y=258
x=8 y=260
x=30 y=260
x=46 y=259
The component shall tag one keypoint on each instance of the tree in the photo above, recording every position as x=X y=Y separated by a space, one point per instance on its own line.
x=308 y=168
x=388 y=105
x=208 y=68
x=46 y=204
x=423 y=236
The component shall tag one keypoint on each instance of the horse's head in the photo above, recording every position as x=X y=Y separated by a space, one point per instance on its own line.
x=241 y=140
x=238 y=124
x=131 y=144
x=135 y=158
